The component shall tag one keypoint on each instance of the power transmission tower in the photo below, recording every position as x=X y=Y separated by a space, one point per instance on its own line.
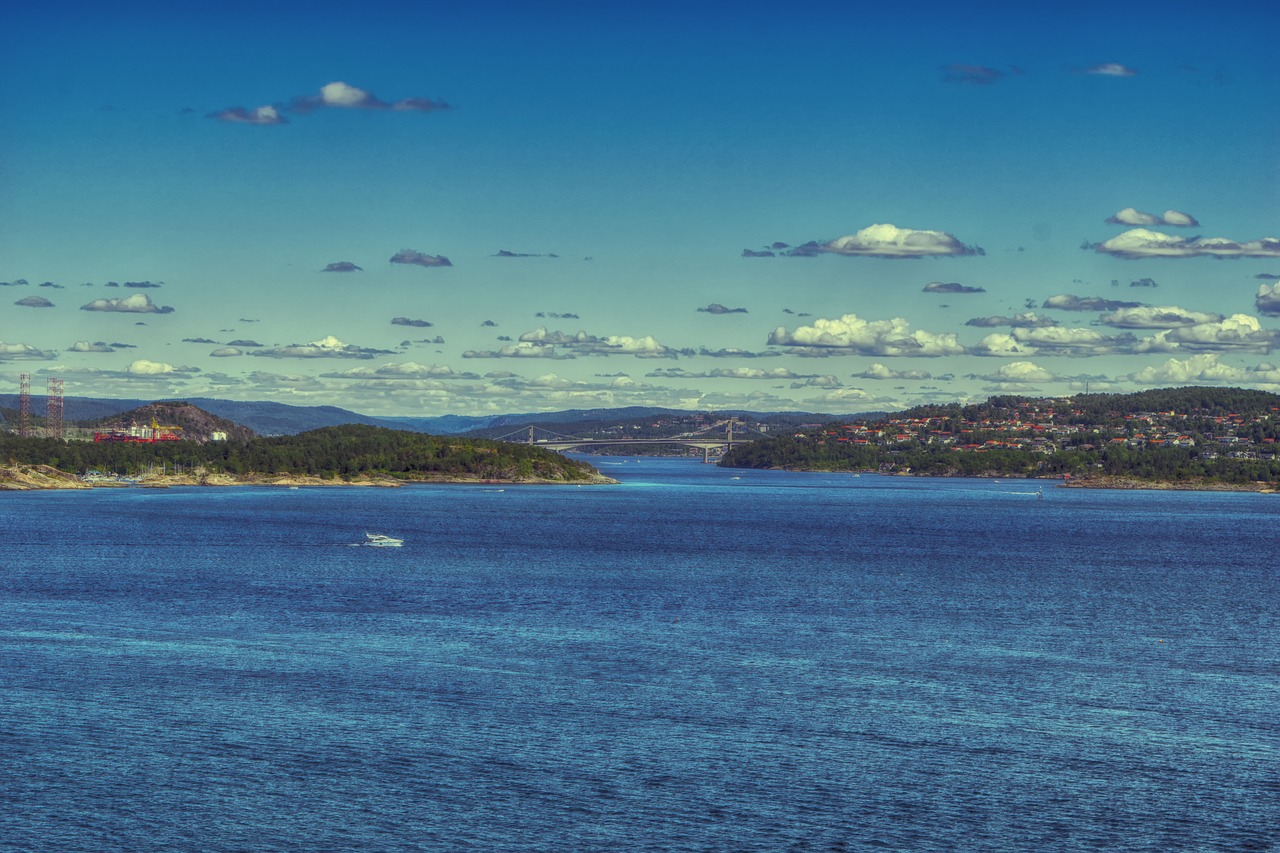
x=53 y=407
x=24 y=404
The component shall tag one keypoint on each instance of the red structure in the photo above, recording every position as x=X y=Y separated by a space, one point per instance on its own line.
x=53 y=408
x=24 y=404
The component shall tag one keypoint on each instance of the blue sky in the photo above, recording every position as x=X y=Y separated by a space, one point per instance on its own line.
x=833 y=208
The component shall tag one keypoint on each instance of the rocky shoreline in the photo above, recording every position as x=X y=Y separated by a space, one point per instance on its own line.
x=43 y=477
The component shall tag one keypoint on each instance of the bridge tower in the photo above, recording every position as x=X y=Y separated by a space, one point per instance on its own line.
x=531 y=433
x=24 y=404
x=53 y=408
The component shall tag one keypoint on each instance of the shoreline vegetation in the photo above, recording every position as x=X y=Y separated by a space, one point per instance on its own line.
x=353 y=455
x=1204 y=439
x=1191 y=438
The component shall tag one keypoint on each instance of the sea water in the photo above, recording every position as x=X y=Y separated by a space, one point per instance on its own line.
x=696 y=659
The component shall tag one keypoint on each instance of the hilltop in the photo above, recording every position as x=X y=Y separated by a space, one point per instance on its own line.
x=194 y=423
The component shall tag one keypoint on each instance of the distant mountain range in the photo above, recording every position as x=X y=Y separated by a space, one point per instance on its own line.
x=268 y=418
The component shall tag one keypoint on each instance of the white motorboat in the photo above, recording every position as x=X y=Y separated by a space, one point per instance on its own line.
x=379 y=540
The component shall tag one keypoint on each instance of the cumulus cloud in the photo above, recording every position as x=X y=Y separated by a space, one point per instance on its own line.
x=34 y=302
x=758 y=253
x=86 y=346
x=1237 y=333
x=227 y=352
x=852 y=335
x=1021 y=371
x=405 y=321
x=717 y=308
x=889 y=241
x=1139 y=243
x=1109 y=69
x=409 y=256
x=24 y=352
x=521 y=349
x=582 y=343
x=1051 y=340
x=1268 y=300
x=342 y=266
x=1070 y=302
x=950 y=287
x=144 y=367
x=341 y=95
x=1026 y=319
x=505 y=253
x=555 y=315
x=1203 y=368
x=243 y=343
x=21 y=282
x=138 y=303
x=198 y=341
x=1155 y=317
x=143 y=284
x=259 y=115
x=327 y=347
x=876 y=370
x=825 y=381
x=1132 y=216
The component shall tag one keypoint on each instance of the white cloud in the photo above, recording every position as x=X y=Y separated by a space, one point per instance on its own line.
x=259 y=115
x=1179 y=219
x=852 y=335
x=1131 y=216
x=327 y=347
x=1051 y=340
x=523 y=349
x=227 y=352
x=1021 y=371
x=143 y=367
x=1110 y=69
x=1145 y=243
x=582 y=343
x=138 y=303
x=86 y=346
x=340 y=94
x=890 y=241
x=1239 y=333
x=1156 y=317
x=876 y=370
x=1268 y=299
x=24 y=352
x=1002 y=345
x=1195 y=369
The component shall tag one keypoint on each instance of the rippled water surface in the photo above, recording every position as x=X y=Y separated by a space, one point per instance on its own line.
x=698 y=659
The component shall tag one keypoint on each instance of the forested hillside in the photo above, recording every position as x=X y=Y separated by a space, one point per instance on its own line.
x=331 y=452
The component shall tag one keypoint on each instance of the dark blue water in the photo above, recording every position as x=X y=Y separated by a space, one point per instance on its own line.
x=689 y=661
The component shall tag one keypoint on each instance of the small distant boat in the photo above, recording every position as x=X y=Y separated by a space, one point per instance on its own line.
x=379 y=540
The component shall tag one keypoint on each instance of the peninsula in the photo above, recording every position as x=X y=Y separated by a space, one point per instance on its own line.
x=342 y=455
x=1176 y=438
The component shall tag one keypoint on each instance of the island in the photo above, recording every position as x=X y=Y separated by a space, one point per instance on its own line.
x=355 y=455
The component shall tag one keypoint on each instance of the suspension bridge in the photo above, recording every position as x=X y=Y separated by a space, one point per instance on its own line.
x=709 y=440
